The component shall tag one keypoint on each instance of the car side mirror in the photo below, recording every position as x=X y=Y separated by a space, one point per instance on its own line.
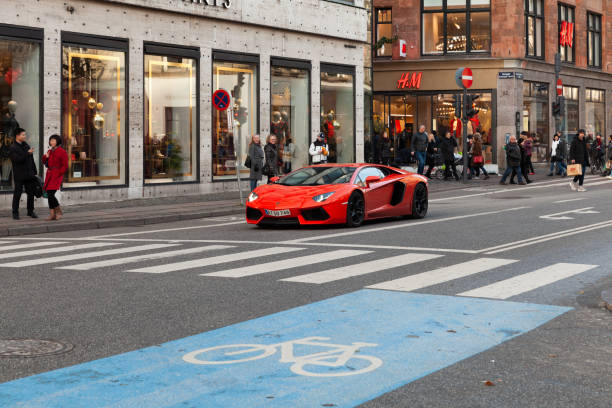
x=371 y=179
x=274 y=179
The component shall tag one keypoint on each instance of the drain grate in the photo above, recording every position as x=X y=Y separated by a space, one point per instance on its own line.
x=27 y=348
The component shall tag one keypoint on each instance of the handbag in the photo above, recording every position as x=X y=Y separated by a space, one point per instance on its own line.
x=574 y=170
x=247 y=162
x=478 y=159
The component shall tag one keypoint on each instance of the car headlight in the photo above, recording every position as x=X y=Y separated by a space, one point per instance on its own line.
x=253 y=197
x=322 y=197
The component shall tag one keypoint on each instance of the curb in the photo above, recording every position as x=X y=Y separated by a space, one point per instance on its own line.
x=119 y=222
x=606 y=297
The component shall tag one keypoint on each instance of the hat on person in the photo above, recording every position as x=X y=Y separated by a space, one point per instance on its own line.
x=319 y=135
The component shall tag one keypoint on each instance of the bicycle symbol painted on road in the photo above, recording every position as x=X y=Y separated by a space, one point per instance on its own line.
x=338 y=357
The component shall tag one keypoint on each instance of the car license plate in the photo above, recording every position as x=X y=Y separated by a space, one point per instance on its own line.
x=278 y=213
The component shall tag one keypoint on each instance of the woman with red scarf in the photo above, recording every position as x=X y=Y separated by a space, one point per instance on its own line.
x=56 y=160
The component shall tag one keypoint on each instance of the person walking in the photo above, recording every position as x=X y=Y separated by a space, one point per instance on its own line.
x=432 y=151
x=513 y=159
x=56 y=160
x=418 y=145
x=448 y=145
x=288 y=155
x=579 y=155
x=386 y=149
x=256 y=154
x=319 y=150
x=528 y=147
x=272 y=161
x=24 y=172
x=557 y=156
x=523 y=163
x=478 y=158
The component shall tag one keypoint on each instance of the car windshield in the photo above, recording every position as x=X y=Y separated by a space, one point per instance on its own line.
x=318 y=176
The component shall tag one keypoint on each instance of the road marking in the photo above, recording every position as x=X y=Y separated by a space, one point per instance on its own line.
x=547 y=237
x=528 y=281
x=402 y=337
x=145 y=257
x=215 y=260
x=7 y=242
x=85 y=255
x=311 y=259
x=24 y=245
x=403 y=225
x=166 y=230
x=441 y=275
x=569 y=201
x=56 y=249
x=562 y=216
x=350 y=271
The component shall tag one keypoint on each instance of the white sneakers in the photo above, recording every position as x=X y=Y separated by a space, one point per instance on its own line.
x=580 y=188
x=573 y=185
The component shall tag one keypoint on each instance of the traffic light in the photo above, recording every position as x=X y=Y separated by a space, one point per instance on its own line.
x=471 y=106
x=238 y=87
x=241 y=115
x=556 y=108
x=457 y=105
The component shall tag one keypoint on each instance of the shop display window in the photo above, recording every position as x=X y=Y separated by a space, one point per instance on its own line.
x=94 y=115
x=402 y=125
x=290 y=114
x=535 y=118
x=595 y=111
x=338 y=112
x=570 y=119
x=19 y=101
x=170 y=137
x=233 y=128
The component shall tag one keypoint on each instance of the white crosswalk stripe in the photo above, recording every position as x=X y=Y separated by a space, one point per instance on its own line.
x=350 y=271
x=6 y=242
x=145 y=257
x=215 y=260
x=85 y=255
x=441 y=275
x=55 y=249
x=529 y=281
x=27 y=245
x=286 y=264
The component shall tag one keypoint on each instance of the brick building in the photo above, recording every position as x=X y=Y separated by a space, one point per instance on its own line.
x=510 y=45
x=129 y=85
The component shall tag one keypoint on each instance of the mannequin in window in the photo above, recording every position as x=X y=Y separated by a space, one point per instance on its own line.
x=7 y=136
x=329 y=129
x=279 y=127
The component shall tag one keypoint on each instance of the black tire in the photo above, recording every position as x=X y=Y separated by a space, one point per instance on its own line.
x=420 y=202
x=355 y=210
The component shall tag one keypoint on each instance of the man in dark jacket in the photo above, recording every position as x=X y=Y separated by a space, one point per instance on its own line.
x=385 y=150
x=513 y=159
x=447 y=147
x=24 y=171
x=579 y=155
x=418 y=145
x=524 y=164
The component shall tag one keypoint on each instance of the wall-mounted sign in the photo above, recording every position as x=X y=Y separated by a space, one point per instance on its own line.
x=224 y=3
x=464 y=77
x=410 y=80
x=567 y=34
x=505 y=75
x=403 y=48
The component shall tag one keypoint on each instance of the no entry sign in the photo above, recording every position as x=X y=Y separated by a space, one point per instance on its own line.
x=221 y=100
x=463 y=77
x=559 y=87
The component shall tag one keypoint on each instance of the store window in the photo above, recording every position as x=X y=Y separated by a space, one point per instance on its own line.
x=534 y=26
x=570 y=121
x=171 y=116
x=535 y=118
x=456 y=26
x=384 y=31
x=94 y=110
x=290 y=111
x=595 y=111
x=20 y=85
x=567 y=33
x=594 y=40
x=402 y=125
x=233 y=128
x=338 y=111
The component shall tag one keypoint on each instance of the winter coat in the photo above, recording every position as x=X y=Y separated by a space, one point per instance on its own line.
x=561 y=150
x=419 y=142
x=317 y=150
x=447 y=146
x=513 y=154
x=256 y=154
x=57 y=164
x=24 y=167
x=271 y=166
x=386 y=149
x=527 y=146
x=579 y=152
x=610 y=151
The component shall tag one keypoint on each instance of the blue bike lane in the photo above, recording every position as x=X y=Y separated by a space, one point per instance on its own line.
x=411 y=336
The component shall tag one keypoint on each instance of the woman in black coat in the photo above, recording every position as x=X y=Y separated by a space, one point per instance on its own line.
x=272 y=162
x=386 y=150
x=447 y=147
x=256 y=154
x=579 y=154
x=432 y=150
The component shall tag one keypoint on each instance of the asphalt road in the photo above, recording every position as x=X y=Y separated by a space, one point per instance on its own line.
x=494 y=295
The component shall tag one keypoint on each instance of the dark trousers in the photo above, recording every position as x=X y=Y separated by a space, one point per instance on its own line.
x=529 y=164
x=19 y=187
x=477 y=168
x=580 y=178
x=524 y=170
x=450 y=165
x=53 y=203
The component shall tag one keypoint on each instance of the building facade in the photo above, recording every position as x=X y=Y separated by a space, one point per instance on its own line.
x=131 y=87
x=510 y=45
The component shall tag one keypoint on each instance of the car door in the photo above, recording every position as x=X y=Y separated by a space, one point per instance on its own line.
x=377 y=194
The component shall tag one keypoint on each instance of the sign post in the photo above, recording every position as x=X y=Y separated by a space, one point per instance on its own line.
x=464 y=79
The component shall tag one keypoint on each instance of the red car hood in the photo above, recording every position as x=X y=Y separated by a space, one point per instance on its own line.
x=277 y=196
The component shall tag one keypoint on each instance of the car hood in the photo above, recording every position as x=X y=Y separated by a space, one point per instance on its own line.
x=277 y=196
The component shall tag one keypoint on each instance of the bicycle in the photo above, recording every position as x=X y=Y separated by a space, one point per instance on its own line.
x=337 y=357
x=597 y=163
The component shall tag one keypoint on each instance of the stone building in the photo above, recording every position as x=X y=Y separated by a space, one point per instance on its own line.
x=129 y=86
x=510 y=45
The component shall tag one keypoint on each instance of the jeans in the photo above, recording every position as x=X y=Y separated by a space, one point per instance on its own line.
x=561 y=168
x=53 y=203
x=253 y=184
x=449 y=165
x=580 y=179
x=19 y=187
x=421 y=157
x=509 y=170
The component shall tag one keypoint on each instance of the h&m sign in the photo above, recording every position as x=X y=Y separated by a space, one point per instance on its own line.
x=224 y=3
x=410 y=80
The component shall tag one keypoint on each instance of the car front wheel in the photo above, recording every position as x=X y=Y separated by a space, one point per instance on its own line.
x=420 y=201
x=355 y=210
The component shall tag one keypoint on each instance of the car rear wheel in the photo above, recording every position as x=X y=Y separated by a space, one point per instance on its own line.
x=420 y=201
x=355 y=210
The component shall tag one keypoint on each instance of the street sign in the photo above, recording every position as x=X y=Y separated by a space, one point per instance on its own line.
x=463 y=77
x=221 y=100
x=505 y=75
x=559 y=87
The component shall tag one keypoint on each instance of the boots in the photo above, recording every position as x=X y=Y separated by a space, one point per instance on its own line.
x=51 y=215
x=58 y=213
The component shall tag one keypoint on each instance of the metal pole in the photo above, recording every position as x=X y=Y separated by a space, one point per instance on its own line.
x=465 y=144
x=238 y=164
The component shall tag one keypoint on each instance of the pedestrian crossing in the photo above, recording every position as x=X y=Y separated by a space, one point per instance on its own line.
x=233 y=262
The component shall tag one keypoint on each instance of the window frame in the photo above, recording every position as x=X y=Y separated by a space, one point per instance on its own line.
x=534 y=14
x=375 y=31
x=599 y=32
x=567 y=7
x=468 y=30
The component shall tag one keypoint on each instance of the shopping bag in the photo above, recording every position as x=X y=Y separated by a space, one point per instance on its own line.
x=574 y=170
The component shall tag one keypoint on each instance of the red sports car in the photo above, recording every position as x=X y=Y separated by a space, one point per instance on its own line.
x=338 y=194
